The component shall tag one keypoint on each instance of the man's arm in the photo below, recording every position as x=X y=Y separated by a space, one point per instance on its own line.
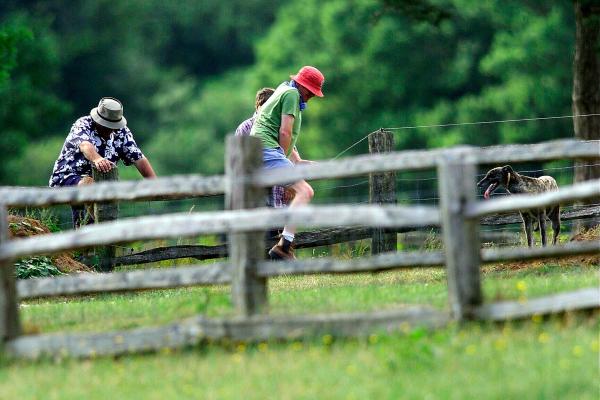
x=145 y=168
x=296 y=159
x=285 y=132
x=99 y=162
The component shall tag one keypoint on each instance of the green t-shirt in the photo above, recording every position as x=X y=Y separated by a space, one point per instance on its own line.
x=285 y=100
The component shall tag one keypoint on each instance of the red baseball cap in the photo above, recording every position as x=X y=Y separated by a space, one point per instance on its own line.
x=311 y=78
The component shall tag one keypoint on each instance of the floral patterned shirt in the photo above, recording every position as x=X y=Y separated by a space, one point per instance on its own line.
x=71 y=161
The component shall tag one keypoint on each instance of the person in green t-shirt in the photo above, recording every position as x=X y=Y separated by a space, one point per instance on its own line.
x=278 y=126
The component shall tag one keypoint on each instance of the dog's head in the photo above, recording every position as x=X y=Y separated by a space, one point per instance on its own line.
x=494 y=178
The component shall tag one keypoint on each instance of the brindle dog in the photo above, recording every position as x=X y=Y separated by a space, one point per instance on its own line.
x=516 y=183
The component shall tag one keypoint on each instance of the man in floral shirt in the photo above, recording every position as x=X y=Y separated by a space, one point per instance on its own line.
x=97 y=140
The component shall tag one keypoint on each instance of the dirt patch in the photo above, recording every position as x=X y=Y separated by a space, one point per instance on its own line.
x=21 y=227
x=593 y=259
x=590 y=234
x=25 y=227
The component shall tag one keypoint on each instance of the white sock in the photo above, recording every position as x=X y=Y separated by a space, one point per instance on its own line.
x=288 y=236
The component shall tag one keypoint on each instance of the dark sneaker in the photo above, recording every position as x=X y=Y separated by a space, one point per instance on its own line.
x=283 y=250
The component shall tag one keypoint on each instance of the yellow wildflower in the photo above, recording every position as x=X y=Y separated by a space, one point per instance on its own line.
x=471 y=349
x=373 y=338
x=543 y=338
x=537 y=318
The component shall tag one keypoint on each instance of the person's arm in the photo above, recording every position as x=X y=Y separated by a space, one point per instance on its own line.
x=99 y=162
x=285 y=132
x=296 y=159
x=295 y=156
x=145 y=168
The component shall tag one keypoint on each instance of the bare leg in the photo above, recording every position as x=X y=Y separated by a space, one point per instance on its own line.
x=303 y=195
x=284 y=248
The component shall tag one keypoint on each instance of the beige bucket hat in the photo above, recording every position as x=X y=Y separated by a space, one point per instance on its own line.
x=109 y=113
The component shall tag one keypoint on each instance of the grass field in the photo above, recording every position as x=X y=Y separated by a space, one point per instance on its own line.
x=538 y=358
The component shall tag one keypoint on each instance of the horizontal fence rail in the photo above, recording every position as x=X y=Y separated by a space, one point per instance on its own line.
x=579 y=191
x=175 y=225
x=379 y=262
x=169 y=188
x=546 y=151
x=87 y=283
x=190 y=331
x=185 y=186
x=220 y=273
x=509 y=310
x=323 y=237
x=428 y=159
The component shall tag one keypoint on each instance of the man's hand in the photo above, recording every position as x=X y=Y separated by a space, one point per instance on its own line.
x=306 y=162
x=100 y=163
x=103 y=165
x=297 y=160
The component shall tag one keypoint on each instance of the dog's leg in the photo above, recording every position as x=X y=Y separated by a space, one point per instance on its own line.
x=542 y=221
x=528 y=225
x=555 y=218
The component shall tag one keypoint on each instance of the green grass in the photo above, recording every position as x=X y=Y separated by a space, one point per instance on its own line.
x=537 y=358
x=554 y=359
x=294 y=294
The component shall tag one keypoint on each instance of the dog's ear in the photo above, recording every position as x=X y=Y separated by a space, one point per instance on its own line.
x=509 y=173
x=508 y=169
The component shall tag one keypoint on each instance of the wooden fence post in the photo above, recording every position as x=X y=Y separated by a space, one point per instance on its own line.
x=382 y=190
x=9 y=308
x=103 y=212
x=457 y=187
x=243 y=158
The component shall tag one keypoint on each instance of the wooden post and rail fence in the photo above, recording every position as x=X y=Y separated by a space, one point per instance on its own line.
x=381 y=191
x=459 y=215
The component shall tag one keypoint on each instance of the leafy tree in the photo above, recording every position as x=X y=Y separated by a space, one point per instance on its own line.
x=586 y=82
x=11 y=34
x=29 y=107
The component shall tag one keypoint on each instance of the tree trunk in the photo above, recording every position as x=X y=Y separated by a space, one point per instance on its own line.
x=586 y=84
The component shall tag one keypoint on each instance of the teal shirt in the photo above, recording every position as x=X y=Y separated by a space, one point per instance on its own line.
x=284 y=101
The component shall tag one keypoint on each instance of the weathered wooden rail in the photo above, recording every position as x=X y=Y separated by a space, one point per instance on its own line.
x=322 y=237
x=246 y=271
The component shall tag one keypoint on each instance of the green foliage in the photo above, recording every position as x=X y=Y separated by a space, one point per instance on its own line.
x=35 y=164
x=35 y=267
x=30 y=105
x=12 y=34
x=187 y=73
x=46 y=216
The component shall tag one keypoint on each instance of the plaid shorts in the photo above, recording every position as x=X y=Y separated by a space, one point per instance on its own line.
x=275 y=158
x=276 y=197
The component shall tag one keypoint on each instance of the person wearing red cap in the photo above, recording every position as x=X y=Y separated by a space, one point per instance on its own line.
x=278 y=126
